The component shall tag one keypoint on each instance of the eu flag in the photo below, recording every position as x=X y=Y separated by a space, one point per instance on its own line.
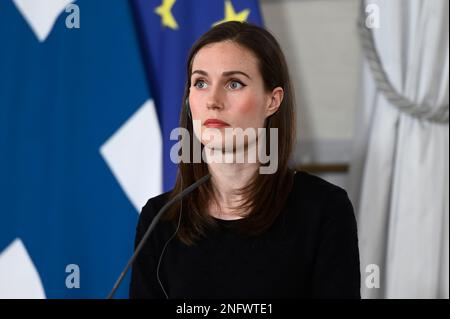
x=168 y=29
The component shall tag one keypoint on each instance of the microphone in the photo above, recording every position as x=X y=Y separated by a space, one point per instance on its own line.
x=152 y=226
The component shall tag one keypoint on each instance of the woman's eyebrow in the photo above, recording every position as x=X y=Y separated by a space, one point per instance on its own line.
x=227 y=73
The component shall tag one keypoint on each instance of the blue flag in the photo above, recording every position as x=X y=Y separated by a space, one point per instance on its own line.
x=79 y=146
x=168 y=29
x=82 y=144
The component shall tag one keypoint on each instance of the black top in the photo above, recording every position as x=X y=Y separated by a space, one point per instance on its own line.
x=311 y=250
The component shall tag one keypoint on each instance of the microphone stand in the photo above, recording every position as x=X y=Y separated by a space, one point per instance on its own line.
x=151 y=227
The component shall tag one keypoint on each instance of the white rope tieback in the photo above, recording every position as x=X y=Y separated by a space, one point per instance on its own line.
x=423 y=112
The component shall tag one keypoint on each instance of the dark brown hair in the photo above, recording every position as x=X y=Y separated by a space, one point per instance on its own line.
x=266 y=194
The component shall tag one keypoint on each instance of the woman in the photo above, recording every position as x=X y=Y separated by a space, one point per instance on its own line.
x=244 y=233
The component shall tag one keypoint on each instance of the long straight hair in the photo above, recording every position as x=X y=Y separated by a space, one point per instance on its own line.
x=265 y=194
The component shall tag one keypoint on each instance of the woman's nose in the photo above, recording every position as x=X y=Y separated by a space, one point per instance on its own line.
x=215 y=98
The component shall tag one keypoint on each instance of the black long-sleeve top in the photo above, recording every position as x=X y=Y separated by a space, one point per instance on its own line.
x=310 y=251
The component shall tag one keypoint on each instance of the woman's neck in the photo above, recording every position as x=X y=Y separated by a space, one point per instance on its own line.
x=226 y=180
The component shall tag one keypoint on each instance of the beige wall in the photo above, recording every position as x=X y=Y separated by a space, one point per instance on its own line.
x=321 y=44
x=320 y=41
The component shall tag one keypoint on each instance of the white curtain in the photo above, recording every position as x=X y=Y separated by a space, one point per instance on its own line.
x=400 y=163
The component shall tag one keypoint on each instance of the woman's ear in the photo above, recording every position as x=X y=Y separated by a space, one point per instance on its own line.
x=275 y=99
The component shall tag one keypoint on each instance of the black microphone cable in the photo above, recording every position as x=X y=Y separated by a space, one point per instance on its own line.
x=168 y=241
x=155 y=220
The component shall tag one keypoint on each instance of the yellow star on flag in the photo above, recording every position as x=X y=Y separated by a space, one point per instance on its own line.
x=231 y=15
x=164 y=10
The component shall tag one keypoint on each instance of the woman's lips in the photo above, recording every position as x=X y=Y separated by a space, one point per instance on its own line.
x=215 y=123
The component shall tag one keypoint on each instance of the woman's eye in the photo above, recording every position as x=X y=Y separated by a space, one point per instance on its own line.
x=235 y=85
x=200 y=84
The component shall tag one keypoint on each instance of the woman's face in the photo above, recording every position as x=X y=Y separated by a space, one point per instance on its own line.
x=226 y=85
